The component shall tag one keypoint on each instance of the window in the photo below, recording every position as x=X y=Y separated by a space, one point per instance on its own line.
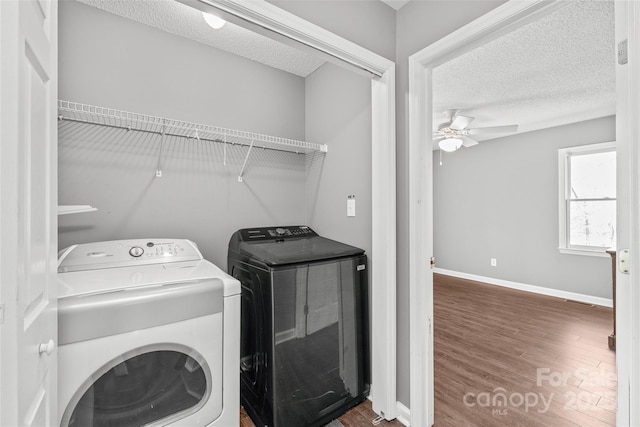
x=587 y=199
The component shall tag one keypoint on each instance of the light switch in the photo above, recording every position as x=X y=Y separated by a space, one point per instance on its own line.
x=351 y=206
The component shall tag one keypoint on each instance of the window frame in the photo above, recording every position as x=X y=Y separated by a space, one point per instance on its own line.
x=564 y=154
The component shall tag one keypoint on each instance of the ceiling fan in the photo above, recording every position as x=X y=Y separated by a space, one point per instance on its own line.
x=454 y=133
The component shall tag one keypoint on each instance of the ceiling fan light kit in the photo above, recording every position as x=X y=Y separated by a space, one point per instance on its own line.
x=450 y=144
x=454 y=133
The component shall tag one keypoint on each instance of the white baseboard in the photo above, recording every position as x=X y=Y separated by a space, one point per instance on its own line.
x=403 y=414
x=606 y=302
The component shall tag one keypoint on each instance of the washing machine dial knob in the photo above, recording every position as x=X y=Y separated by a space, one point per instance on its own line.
x=280 y=231
x=136 y=251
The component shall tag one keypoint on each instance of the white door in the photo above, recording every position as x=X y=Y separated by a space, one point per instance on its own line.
x=28 y=215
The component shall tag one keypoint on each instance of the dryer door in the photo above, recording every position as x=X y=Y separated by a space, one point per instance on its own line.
x=142 y=388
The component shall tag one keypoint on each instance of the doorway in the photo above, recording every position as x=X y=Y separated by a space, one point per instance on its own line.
x=498 y=22
x=380 y=71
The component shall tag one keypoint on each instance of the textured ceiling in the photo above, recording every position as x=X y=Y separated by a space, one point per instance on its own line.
x=559 y=69
x=179 y=19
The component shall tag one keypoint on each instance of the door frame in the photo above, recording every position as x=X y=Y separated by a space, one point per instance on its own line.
x=278 y=24
x=628 y=212
x=501 y=20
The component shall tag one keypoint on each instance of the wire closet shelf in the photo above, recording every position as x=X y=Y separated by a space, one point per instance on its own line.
x=75 y=111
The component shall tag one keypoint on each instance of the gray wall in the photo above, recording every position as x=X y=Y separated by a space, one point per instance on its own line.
x=338 y=111
x=499 y=199
x=110 y=61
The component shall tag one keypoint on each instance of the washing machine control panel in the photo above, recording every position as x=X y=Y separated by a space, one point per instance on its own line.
x=124 y=253
x=158 y=250
x=276 y=233
x=136 y=251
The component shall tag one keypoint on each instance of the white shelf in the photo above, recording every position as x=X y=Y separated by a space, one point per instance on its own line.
x=75 y=111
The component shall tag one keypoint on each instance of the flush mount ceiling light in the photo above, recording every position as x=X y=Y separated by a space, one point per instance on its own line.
x=213 y=20
x=450 y=144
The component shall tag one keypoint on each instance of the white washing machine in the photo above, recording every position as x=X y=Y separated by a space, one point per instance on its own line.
x=149 y=335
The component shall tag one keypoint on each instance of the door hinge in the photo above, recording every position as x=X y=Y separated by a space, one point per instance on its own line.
x=623 y=261
x=623 y=52
x=432 y=262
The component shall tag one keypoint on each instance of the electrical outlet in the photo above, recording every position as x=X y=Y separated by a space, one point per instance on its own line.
x=494 y=262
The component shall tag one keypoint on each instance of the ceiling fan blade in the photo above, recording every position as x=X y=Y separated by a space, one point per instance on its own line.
x=437 y=136
x=493 y=129
x=468 y=142
x=461 y=122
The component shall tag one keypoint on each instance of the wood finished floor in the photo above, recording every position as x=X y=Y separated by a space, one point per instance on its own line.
x=360 y=416
x=548 y=356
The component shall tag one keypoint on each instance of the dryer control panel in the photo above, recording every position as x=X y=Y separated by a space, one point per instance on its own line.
x=126 y=253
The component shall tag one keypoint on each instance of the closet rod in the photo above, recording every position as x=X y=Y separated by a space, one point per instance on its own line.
x=84 y=113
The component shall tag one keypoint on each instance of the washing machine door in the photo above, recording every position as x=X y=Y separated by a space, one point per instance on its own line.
x=146 y=387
